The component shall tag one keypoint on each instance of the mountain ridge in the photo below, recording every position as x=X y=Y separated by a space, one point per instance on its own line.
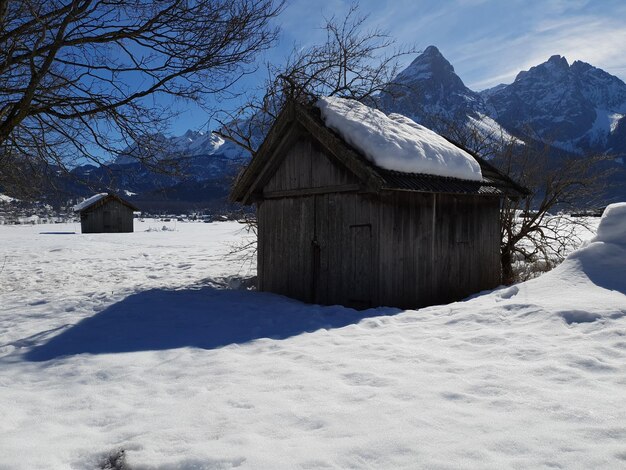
x=576 y=107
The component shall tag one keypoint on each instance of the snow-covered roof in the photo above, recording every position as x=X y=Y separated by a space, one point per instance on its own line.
x=395 y=142
x=89 y=201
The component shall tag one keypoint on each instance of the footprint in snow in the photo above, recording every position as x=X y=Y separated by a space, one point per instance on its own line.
x=241 y=405
x=579 y=316
x=507 y=294
x=366 y=379
x=453 y=396
x=310 y=424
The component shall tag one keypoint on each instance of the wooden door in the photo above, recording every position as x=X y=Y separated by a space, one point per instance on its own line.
x=342 y=255
x=106 y=221
x=360 y=266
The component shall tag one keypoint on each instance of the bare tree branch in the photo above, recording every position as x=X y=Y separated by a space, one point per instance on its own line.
x=352 y=62
x=75 y=74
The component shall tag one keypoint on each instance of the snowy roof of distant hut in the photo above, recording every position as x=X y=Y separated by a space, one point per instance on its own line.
x=100 y=199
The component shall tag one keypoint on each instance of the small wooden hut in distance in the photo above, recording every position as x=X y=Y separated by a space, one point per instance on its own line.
x=105 y=213
x=336 y=228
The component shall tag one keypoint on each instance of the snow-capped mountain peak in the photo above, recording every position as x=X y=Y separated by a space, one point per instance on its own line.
x=431 y=93
x=575 y=106
x=429 y=90
x=191 y=144
x=429 y=65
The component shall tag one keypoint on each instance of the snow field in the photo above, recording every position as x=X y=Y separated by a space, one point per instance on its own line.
x=130 y=341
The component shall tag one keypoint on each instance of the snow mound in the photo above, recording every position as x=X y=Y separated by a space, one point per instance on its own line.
x=395 y=142
x=592 y=278
x=612 y=228
x=87 y=202
x=5 y=198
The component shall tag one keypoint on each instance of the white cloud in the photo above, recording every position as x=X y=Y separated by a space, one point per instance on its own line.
x=593 y=40
x=487 y=41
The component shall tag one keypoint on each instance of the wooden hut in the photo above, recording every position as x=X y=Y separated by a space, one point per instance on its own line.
x=335 y=229
x=105 y=213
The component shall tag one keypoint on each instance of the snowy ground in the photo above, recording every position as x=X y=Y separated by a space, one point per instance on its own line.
x=131 y=341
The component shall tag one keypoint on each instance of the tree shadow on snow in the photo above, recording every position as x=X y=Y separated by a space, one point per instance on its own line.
x=204 y=317
x=57 y=233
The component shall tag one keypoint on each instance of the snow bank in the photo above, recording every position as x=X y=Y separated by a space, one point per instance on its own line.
x=5 y=198
x=395 y=142
x=591 y=279
x=612 y=228
x=89 y=201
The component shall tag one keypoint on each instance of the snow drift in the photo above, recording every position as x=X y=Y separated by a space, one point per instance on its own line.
x=612 y=228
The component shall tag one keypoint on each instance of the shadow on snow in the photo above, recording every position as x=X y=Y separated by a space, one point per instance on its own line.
x=203 y=317
x=57 y=233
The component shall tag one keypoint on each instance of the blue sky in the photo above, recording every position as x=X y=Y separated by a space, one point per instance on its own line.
x=487 y=41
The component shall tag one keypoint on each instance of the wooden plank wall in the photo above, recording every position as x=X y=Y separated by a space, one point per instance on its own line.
x=436 y=248
x=319 y=248
x=346 y=224
x=285 y=257
x=111 y=217
x=306 y=166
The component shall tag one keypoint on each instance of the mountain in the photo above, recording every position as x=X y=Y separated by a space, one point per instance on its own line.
x=190 y=144
x=576 y=107
x=201 y=181
x=428 y=88
x=431 y=93
x=197 y=171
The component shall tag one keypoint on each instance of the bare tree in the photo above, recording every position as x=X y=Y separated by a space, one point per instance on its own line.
x=537 y=232
x=83 y=79
x=353 y=62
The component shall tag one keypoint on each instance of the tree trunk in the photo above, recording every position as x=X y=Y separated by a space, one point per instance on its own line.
x=506 y=262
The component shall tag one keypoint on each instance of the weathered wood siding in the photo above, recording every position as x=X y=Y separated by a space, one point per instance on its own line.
x=305 y=167
x=285 y=249
x=319 y=248
x=436 y=248
x=346 y=231
x=111 y=217
x=398 y=248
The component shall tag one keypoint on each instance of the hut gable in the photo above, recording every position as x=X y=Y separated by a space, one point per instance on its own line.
x=335 y=229
x=105 y=213
x=305 y=168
